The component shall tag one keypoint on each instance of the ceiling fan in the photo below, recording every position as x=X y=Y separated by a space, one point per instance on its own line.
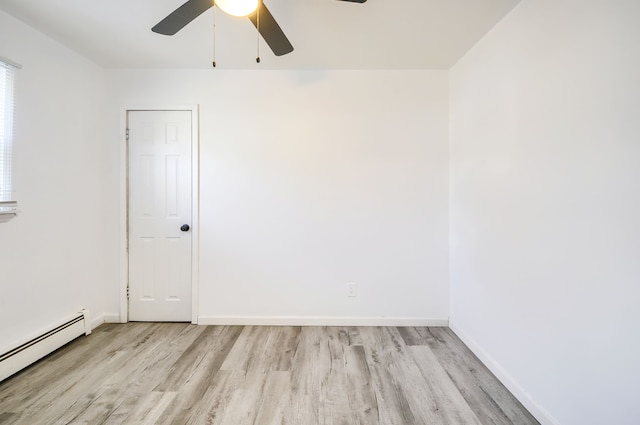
x=261 y=18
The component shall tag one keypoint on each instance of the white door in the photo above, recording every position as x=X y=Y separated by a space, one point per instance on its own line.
x=159 y=153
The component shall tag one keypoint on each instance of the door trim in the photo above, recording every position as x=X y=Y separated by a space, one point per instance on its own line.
x=195 y=207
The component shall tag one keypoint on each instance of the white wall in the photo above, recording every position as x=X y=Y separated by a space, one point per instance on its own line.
x=52 y=256
x=545 y=207
x=309 y=180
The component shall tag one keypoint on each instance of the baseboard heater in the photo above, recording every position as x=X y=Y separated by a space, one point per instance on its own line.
x=45 y=343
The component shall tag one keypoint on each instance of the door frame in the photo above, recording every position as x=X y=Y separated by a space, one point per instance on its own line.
x=124 y=206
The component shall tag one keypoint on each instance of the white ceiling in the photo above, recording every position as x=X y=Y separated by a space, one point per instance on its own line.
x=326 y=34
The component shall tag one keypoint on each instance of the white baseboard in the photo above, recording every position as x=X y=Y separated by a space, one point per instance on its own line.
x=38 y=345
x=542 y=415
x=321 y=321
x=97 y=321
x=112 y=318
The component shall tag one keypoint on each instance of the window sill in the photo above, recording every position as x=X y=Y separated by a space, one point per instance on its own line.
x=7 y=213
x=4 y=217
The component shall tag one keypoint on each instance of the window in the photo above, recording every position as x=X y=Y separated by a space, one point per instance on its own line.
x=8 y=204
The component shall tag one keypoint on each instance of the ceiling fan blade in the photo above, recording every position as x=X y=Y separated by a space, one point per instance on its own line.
x=180 y=17
x=354 y=1
x=271 y=31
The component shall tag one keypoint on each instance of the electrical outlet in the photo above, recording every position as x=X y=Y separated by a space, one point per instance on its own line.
x=352 y=290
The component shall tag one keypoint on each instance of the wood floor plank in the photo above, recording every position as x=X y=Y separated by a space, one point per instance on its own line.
x=256 y=352
x=354 y=335
x=311 y=363
x=19 y=392
x=77 y=388
x=6 y=416
x=242 y=408
x=360 y=388
x=286 y=342
x=447 y=401
x=346 y=393
x=189 y=360
x=214 y=402
x=204 y=378
x=393 y=399
x=149 y=410
x=274 y=399
x=181 y=374
x=145 y=375
x=248 y=348
x=310 y=366
x=411 y=336
x=142 y=368
x=485 y=395
x=334 y=402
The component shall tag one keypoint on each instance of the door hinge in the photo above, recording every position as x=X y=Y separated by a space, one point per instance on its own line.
x=127 y=292
x=127 y=134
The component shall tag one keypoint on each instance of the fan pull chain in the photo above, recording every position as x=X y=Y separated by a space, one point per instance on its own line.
x=214 y=37
x=258 y=32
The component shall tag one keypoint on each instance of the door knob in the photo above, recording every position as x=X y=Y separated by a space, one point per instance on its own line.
x=185 y=227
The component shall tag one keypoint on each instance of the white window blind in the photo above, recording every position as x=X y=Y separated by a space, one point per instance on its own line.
x=7 y=116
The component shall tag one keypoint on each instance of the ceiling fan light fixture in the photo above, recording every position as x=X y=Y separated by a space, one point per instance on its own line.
x=238 y=7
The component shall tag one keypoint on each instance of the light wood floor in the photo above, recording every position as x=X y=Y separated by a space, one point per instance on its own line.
x=148 y=373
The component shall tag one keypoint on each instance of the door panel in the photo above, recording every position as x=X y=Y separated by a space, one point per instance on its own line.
x=159 y=204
